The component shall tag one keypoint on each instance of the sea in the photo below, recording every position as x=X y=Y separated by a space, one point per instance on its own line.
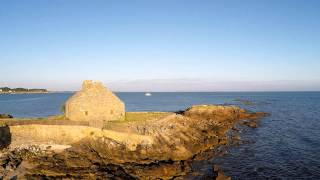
x=285 y=146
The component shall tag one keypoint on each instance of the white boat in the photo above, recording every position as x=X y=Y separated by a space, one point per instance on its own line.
x=147 y=94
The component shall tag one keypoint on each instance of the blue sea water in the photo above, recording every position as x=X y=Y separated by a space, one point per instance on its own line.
x=285 y=146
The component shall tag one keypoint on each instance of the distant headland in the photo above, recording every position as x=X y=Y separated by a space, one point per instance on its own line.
x=7 y=90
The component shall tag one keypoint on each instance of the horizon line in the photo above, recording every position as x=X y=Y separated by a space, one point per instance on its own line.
x=198 y=91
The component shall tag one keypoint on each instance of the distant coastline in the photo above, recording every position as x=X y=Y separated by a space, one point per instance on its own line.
x=7 y=90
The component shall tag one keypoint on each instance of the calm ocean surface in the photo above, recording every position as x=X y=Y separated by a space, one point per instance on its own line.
x=285 y=146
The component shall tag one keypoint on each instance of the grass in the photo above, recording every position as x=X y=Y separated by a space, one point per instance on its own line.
x=61 y=120
x=144 y=116
x=3 y=124
x=132 y=119
x=51 y=120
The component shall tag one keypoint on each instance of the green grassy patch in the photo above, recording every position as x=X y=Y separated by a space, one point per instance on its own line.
x=132 y=119
x=144 y=116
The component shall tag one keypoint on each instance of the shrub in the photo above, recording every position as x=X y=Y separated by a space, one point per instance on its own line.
x=63 y=108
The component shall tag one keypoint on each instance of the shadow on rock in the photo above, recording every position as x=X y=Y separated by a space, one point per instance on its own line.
x=5 y=136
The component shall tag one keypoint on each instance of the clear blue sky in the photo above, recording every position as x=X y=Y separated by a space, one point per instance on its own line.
x=164 y=45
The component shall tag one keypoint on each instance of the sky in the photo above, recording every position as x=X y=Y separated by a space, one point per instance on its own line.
x=161 y=45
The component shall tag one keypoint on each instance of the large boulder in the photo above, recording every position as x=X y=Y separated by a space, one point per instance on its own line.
x=94 y=104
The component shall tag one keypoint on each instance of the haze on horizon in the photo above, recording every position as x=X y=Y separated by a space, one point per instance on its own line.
x=167 y=45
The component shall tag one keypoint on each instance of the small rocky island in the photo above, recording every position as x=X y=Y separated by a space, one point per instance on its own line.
x=97 y=139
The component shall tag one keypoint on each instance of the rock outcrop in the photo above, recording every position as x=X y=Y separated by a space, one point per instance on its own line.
x=5 y=116
x=95 y=104
x=152 y=149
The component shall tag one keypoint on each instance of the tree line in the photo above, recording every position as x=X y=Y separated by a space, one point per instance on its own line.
x=7 y=89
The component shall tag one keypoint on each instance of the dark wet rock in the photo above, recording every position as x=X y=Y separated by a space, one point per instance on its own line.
x=5 y=136
x=245 y=102
x=251 y=123
x=220 y=174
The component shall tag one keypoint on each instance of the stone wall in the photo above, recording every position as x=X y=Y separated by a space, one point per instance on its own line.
x=65 y=135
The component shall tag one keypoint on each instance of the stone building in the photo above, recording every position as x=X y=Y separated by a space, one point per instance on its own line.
x=95 y=104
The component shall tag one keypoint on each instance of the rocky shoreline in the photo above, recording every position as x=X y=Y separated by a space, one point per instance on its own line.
x=162 y=148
